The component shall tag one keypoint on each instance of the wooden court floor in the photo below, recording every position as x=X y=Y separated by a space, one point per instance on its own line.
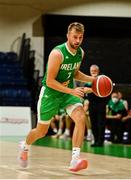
x=52 y=163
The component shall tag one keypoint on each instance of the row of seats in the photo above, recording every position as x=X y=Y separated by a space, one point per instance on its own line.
x=9 y=57
x=13 y=85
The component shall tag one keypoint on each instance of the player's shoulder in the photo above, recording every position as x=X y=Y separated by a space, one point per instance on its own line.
x=60 y=47
x=82 y=51
x=57 y=50
x=56 y=53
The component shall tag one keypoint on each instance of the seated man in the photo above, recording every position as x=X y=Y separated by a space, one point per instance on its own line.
x=127 y=121
x=115 y=112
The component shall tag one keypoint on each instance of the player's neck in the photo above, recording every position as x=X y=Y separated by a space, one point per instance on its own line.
x=70 y=49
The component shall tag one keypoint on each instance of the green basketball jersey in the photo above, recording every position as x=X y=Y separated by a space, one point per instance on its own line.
x=67 y=69
x=116 y=107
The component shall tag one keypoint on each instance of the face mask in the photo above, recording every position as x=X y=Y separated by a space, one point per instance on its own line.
x=115 y=100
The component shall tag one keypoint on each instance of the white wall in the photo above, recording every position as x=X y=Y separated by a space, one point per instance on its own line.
x=99 y=8
x=14 y=21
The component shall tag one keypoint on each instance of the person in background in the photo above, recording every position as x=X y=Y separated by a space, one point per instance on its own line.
x=64 y=125
x=53 y=126
x=89 y=135
x=127 y=122
x=97 y=111
x=125 y=102
x=55 y=123
x=115 y=112
x=66 y=134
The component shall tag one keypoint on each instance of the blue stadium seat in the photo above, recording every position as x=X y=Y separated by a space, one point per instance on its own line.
x=13 y=85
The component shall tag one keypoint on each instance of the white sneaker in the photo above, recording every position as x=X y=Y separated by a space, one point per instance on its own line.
x=64 y=136
x=56 y=136
x=22 y=156
x=89 y=137
x=78 y=164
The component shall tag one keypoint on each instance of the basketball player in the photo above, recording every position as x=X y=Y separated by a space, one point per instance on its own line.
x=58 y=92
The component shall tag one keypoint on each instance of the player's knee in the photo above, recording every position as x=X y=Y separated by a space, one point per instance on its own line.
x=81 y=121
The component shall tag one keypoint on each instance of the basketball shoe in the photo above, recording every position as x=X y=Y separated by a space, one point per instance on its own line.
x=22 y=155
x=78 y=164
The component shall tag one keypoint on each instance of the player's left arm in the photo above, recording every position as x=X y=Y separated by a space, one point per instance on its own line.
x=78 y=75
x=84 y=78
x=81 y=76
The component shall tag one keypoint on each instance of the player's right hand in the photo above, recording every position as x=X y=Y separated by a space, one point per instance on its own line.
x=87 y=90
x=79 y=92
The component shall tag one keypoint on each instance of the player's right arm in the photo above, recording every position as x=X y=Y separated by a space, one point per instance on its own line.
x=54 y=63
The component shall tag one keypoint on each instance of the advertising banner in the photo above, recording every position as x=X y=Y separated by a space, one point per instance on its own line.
x=15 y=121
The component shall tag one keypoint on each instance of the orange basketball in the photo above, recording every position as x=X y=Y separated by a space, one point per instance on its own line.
x=102 y=86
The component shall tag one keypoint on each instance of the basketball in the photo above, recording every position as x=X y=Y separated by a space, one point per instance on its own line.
x=102 y=86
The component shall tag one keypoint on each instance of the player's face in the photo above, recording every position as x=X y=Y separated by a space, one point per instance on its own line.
x=75 y=39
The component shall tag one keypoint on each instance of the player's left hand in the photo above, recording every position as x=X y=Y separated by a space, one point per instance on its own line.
x=87 y=90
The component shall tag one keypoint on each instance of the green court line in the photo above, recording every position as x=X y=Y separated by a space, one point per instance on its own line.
x=116 y=150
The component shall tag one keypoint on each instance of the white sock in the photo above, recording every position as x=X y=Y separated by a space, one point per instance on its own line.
x=89 y=132
x=55 y=130
x=67 y=132
x=24 y=145
x=75 y=156
x=59 y=131
x=75 y=152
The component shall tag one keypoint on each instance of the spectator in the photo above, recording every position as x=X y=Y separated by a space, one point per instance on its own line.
x=97 y=111
x=115 y=112
x=120 y=95
x=53 y=128
x=89 y=135
x=64 y=126
x=127 y=121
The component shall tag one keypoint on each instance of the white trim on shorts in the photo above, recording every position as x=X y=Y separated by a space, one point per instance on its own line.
x=71 y=108
x=38 y=108
x=44 y=122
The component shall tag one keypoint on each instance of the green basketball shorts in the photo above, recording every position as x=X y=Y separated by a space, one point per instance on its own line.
x=50 y=102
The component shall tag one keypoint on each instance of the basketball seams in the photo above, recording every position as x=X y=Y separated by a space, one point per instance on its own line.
x=110 y=84
x=97 y=86
x=106 y=86
x=102 y=86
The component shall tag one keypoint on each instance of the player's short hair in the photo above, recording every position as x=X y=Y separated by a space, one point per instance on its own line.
x=77 y=26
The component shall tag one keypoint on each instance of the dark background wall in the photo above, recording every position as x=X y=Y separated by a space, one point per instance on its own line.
x=107 y=42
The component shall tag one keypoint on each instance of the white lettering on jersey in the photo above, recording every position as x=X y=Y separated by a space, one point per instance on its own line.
x=69 y=67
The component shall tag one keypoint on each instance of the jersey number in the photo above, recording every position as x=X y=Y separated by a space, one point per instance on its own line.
x=69 y=75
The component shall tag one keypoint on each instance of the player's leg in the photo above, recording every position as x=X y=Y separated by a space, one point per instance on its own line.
x=35 y=134
x=77 y=113
x=46 y=110
x=78 y=116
